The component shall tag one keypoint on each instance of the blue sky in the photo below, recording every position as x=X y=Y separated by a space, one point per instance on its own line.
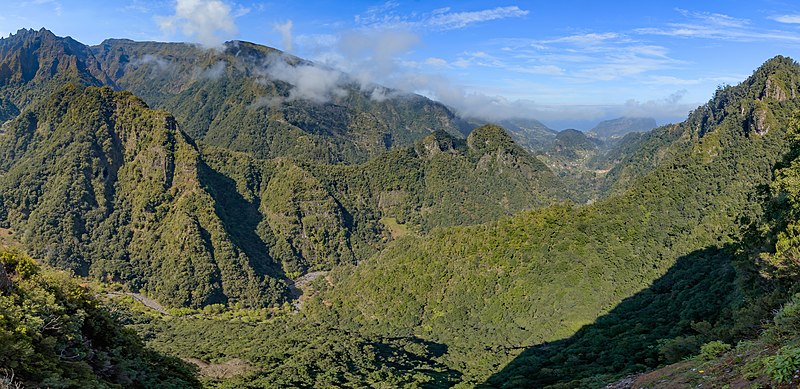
x=566 y=63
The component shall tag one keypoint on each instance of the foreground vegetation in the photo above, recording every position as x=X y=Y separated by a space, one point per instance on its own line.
x=55 y=333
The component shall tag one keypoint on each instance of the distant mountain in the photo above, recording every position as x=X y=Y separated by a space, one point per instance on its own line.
x=617 y=128
x=257 y=99
x=528 y=133
x=570 y=142
x=96 y=182
x=245 y=97
x=440 y=258
x=34 y=64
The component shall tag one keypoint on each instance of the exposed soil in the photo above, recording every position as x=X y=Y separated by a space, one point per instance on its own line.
x=227 y=369
x=299 y=288
x=146 y=301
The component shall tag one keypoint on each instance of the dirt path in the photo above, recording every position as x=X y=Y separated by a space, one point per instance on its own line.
x=146 y=301
x=228 y=369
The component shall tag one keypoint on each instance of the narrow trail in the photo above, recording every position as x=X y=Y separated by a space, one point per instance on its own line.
x=146 y=301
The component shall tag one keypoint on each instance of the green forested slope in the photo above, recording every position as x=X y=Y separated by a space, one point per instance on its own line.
x=54 y=333
x=96 y=182
x=737 y=307
x=420 y=293
x=444 y=181
x=539 y=276
x=619 y=127
x=313 y=216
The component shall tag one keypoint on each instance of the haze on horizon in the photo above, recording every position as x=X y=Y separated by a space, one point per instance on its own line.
x=493 y=60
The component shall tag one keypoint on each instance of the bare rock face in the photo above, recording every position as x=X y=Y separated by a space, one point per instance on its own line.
x=5 y=282
x=774 y=91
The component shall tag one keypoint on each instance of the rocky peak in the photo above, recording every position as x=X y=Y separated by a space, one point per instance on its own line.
x=37 y=56
x=437 y=143
x=489 y=138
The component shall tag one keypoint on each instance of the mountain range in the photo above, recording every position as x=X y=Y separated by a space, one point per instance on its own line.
x=418 y=248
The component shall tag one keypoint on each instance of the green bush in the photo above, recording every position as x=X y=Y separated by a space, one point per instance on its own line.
x=783 y=366
x=713 y=349
x=788 y=318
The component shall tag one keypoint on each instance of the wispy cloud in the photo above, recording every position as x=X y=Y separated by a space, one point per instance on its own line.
x=721 y=27
x=789 y=19
x=442 y=19
x=449 y=21
x=437 y=62
x=538 y=69
x=137 y=6
x=579 y=58
x=57 y=8
x=585 y=39
x=378 y=51
x=309 y=82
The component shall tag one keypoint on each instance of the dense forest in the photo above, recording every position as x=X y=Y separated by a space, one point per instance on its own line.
x=196 y=221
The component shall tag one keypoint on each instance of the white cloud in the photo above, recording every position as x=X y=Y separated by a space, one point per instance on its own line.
x=137 y=6
x=790 y=19
x=714 y=19
x=455 y=20
x=309 y=82
x=371 y=56
x=722 y=27
x=670 y=106
x=539 y=69
x=157 y=64
x=580 y=58
x=671 y=80
x=585 y=39
x=285 y=29
x=442 y=19
x=209 y=22
x=436 y=62
x=215 y=71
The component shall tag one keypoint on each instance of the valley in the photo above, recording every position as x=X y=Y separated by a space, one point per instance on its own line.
x=176 y=216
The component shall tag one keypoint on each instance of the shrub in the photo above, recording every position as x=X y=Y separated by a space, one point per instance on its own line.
x=784 y=365
x=713 y=349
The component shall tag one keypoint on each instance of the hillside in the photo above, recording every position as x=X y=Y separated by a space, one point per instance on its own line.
x=246 y=97
x=443 y=181
x=323 y=215
x=619 y=127
x=34 y=64
x=96 y=182
x=540 y=276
